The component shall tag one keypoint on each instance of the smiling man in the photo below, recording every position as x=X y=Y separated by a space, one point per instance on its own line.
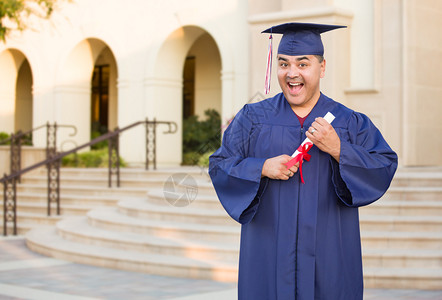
x=300 y=240
x=299 y=78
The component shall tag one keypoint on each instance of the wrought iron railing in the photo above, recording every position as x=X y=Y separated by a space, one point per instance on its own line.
x=53 y=162
x=16 y=143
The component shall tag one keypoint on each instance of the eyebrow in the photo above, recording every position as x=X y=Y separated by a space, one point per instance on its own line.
x=302 y=58
x=297 y=59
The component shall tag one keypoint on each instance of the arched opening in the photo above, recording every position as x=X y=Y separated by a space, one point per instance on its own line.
x=204 y=60
x=193 y=50
x=23 y=98
x=189 y=87
x=15 y=92
x=103 y=94
x=201 y=99
x=86 y=93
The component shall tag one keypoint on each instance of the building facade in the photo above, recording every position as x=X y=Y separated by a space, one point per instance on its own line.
x=101 y=64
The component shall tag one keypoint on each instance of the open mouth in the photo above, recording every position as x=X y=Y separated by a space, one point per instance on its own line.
x=295 y=87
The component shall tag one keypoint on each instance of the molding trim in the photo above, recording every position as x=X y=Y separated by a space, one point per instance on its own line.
x=227 y=75
x=361 y=90
x=306 y=13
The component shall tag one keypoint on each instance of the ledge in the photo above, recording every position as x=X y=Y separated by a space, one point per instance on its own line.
x=301 y=14
x=361 y=90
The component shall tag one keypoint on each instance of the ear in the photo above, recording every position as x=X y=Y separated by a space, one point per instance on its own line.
x=323 y=68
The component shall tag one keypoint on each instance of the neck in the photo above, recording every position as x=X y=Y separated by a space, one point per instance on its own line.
x=304 y=109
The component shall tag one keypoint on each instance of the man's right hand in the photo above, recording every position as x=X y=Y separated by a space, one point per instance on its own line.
x=275 y=168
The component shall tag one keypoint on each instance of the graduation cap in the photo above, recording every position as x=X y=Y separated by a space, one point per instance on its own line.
x=297 y=39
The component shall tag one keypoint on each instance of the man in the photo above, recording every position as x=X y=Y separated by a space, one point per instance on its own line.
x=300 y=240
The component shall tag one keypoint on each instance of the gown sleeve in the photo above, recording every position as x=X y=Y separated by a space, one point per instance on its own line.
x=366 y=165
x=236 y=175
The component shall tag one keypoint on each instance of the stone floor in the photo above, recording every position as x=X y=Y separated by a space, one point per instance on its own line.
x=28 y=275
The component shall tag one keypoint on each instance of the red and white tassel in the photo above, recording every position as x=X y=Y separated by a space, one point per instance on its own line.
x=269 y=66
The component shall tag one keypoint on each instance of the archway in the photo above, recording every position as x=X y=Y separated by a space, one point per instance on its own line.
x=23 y=98
x=204 y=61
x=83 y=95
x=104 y=93
x=201 y=99
x=166 y=85
x=15 y=92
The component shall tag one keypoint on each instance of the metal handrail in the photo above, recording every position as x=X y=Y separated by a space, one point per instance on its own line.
x=53 y=165
x=20 y=134
x=16 y=143
x=101 y=138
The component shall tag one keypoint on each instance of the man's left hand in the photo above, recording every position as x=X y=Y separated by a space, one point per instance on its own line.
x=324 y=136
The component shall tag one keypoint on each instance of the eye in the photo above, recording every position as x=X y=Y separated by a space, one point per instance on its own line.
x=283 y=64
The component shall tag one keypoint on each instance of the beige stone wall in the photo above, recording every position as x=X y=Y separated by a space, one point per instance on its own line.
x=406 y=101
x=30 y=156
x=422 y=82
x=383 y=102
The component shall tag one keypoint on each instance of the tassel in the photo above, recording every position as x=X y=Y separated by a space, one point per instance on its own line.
x=269 y=66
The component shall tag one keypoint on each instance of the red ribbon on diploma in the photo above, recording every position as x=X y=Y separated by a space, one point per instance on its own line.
x=303 y=149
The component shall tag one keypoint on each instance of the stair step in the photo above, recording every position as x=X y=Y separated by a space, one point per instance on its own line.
x=402 y=258
x=47 y=242
x=130 y=173
x=22 y=228
x=401 y=240
x=96 y=181
x=145 y=210
x=84 y=190
x=401 y=223
x=72 y=199
x=42 y=208
x=33 y=218
x=204 y=186
x=27 y=221
x=418 y=177
x=413 y=193
x=403 y=278
x=158 y=197
x=111 y=219
x=403 y=208
x=78 y=230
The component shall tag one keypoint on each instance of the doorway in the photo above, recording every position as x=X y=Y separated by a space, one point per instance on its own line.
x=100 y=100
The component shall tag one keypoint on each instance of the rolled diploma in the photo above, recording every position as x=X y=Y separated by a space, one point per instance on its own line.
x=329 y=117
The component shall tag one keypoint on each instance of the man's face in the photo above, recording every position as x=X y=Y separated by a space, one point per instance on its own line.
x=299 y=78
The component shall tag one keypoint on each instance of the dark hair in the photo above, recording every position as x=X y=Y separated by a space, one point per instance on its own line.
x=320 y=58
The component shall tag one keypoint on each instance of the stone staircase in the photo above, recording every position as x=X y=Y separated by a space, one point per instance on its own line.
x=81 y=190
x=402 y=233
x=134 y=227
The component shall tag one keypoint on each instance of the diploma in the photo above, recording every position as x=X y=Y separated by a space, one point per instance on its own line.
x=301 y=153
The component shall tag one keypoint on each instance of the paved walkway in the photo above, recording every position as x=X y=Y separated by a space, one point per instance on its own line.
x=28 y=275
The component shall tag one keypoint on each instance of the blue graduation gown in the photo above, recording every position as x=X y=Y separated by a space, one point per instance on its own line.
x=300 y=241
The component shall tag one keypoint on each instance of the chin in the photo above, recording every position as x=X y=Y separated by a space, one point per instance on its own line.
x=295 y=100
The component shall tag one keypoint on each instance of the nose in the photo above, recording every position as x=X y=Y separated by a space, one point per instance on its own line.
x=293 y=72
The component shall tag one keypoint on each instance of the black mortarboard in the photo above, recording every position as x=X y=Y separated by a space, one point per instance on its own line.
x=301 y=38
